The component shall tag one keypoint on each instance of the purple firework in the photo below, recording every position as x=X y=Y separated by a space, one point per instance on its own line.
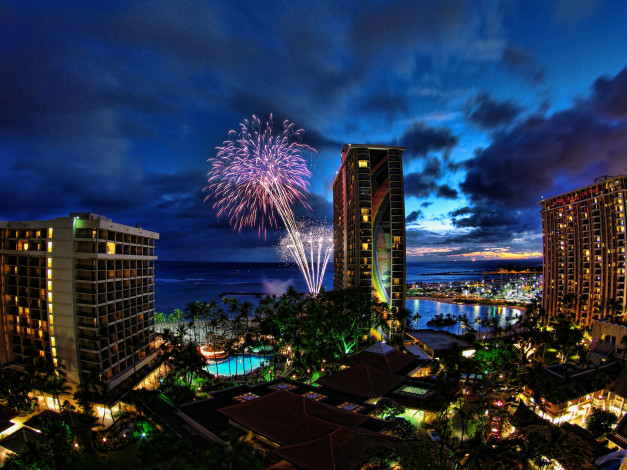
x=256 y=175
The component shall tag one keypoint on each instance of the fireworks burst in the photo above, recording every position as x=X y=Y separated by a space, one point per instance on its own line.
x=317 y=246
x=257 y=175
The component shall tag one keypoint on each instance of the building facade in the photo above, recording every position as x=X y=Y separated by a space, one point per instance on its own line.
x=584 y=251
x=78 y=291
x=369 y=222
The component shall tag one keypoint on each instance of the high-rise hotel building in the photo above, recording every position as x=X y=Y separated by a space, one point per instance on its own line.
x=584 y=251
x=369 y=222
x=79 y=291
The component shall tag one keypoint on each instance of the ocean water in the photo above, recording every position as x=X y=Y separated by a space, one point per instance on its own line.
x=179 y=283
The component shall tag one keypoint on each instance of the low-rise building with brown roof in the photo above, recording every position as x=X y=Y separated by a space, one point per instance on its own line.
x=385 y=358
x=362 y=380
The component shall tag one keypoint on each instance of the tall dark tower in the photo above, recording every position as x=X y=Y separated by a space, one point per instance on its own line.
x=369 y=222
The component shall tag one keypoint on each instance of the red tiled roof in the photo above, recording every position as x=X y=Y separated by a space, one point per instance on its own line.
x=362 y=380
x=287 y=418
x=343 y=449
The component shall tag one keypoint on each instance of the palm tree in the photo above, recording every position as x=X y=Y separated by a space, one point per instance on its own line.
x=237 y=454
x=57 y=385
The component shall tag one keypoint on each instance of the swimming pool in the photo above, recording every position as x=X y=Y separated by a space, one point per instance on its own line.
x=239 y=364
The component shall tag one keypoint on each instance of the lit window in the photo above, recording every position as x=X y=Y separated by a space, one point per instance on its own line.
x=363 y=163
x=52 y=341
x=49 y=233
x=110 y=248
x=49 y=285
x=49 y=247
x=49 y=262
x=50 y=308
x=364 y=246
x=54 y=352
x=49 y=273
x=49 y=296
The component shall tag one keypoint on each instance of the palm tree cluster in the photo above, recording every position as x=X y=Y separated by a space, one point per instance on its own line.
x=22 y=388
x=300 y=335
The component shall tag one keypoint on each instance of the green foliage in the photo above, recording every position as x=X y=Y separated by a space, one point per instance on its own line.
x=180 y=394
x=401 y=428
x=388 y=409
x=408 y=455
x=601 y=422
x=495 y=360
x=239 y=453
x=544 y=444
x=444 y=426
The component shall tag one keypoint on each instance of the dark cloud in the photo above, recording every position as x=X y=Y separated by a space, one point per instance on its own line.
x=321 y=209
x=486 y=113
x=419 y=185
x=446 y=192
x=522 y=62
x=388 y=102
x=391 y=28
x=414 y=216
x=545 y=156
x=609 y=96
x=426 y=204
x=421 y=139
x=462 y=211
x=423 y=183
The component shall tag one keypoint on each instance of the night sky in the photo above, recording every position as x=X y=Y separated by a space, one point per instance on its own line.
x=114 y=108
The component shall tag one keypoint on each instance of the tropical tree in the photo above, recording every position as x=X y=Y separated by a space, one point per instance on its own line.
x=404 y=454
x=601 y=422
x=57 y=385
x=239 y=453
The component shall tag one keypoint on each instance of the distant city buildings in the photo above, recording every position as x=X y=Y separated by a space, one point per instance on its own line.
x=584 y=251
x=78 y=291
x=369 y=222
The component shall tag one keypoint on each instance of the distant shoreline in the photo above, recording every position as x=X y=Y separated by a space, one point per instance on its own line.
x=480 y=273
x=453 y=300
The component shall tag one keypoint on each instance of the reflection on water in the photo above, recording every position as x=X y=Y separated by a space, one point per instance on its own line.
x=237 y=365
x=430 y=308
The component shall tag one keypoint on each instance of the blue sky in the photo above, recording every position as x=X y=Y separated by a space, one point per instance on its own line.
x=115 y=107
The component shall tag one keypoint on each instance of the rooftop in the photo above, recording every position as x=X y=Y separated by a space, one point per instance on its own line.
x=362 y=380
x=438 y=340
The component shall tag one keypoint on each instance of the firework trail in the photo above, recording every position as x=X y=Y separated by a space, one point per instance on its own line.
x=257 y=176
x=317 y=244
